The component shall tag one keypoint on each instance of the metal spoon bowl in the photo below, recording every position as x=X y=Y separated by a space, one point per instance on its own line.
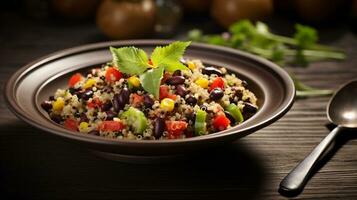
x=342 y=111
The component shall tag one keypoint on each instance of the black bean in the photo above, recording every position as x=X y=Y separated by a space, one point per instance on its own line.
x=203 y=107
x=148 y=101
x=216 y=94
x=175 y=80
x=111 y=115
x=56 y=118
x=87 y=94
x=233 y=100
x=181 y=90
x=83 y=118
x=46 y=105
x=249 y=110
x=121 y=99
x=191 y=118
x=230 y=117
x=93 y=132
x=238 y=94
x=77 y=114
x=108 y=89
x=71 y=90
x=51 y=98
x=115 y=103
x=177 y=73
x=211 y=70
x=106 y=106
x=191 y=100
x=244 y=83
x=159 y=127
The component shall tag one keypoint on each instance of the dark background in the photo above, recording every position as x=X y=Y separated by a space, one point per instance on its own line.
x=35 y=165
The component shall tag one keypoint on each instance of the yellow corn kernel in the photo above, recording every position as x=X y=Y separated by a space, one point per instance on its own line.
x=167 y=104
x=191 y=65
x=203 y=82
x=58 y=104
x=83 y=126
x=134 y=81
x=89 y=83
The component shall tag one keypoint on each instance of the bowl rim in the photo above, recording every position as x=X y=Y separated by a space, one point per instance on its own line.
x=11 y=83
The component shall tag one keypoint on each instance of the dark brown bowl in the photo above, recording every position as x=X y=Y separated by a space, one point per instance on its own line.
x=35 y=82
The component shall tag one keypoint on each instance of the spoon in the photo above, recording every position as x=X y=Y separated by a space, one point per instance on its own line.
x=342 y=111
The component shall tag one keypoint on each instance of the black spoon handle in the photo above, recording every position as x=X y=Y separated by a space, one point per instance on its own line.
x=295 y=181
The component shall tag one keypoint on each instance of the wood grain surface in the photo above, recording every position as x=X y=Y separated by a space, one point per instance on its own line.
x=35 y=165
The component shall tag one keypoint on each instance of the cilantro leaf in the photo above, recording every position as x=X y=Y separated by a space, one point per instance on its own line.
x=151 y=79
x=130 y=60
x=169 y=56
x=305 y=36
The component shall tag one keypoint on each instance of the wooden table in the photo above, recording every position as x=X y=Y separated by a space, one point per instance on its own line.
x=35 y=165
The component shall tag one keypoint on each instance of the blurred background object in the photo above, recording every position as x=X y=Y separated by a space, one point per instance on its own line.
x=226 y=12
x=317 y=11
x=168 y=16
x=75 y=9
x=196 y=6
x=127 y=18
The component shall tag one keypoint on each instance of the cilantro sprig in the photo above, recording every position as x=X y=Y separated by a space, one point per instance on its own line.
x=134 y=61
x=299 y=50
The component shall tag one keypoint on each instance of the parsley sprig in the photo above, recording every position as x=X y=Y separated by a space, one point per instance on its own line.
x=299 y=50
x=134 y=61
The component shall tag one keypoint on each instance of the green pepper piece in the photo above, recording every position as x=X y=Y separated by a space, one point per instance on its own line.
x=235 y=112
x=135 y=119
x=200 y=122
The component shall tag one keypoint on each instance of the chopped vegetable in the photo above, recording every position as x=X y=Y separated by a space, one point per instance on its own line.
x=203 y=82
x=200 y=122
x=191 y=65
x=83 y=126
x=112 y=74
x=58 y=104
x=134 y=81
x=137 y=100
x=167 y=104
x=235 y=112
x=94 y=103
x=217 y=83
x=175 y=128
x=75 y=79
x=164 y=93
x=71 y=124
x=135 y=119
x=221 y=122
x=108 y=126
x=89 y=83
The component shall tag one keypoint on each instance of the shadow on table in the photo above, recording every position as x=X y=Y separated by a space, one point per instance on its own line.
x=39 y=166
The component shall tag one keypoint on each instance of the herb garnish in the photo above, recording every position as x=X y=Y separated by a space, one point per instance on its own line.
x=257 y=39
x=134 y=61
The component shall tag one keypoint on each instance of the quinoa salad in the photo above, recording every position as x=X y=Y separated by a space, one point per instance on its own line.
x=161 y=97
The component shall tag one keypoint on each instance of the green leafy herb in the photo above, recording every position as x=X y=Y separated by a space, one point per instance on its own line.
x=130 y=60
x=151 y=79
x=299 y=50
x=134 y=61
x=169 y=56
